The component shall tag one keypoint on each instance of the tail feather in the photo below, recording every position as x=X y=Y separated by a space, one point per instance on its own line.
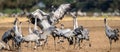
x=71 y=42
x=115 y=38
x=116 y=31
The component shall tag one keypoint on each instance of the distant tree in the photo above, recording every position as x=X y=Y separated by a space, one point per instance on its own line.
x=22 y=4
x=55 y=3
x=84 y=5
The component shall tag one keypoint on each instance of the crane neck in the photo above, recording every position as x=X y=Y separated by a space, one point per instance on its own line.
x=20 y=27
x=30 y=30
x=35 y=26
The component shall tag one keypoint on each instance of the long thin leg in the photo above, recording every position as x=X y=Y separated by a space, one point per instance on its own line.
x=27 y=45
x=69 y=43
x=61 y=41
x=41 y=44
x=31 y=45
x=46 y=43
x=79 y=43
x=75 y=42
x=54 y=43
x=13 y=45
x=9 y=46
x=89 y=43
x=110 y=43
x=19 y=48
x=36 y=44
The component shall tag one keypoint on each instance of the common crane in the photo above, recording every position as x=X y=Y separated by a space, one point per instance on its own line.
x=31 y=37
x=112 y=34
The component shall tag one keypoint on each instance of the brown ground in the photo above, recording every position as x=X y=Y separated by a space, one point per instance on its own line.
x=95 y=26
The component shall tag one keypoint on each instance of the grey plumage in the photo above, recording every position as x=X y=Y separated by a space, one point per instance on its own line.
x=80 y=32
x=7 y=36
x=47 y=22
x=12 y=34
x=112 y=34
x=18 y=35
x=31 y=37
x=83 y=35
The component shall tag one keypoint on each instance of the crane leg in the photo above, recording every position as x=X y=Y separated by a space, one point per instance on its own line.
x=110 y=43
x=54 y=43
x=75 y=42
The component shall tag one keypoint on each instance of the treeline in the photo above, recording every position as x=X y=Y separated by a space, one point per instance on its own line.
x=14 y=6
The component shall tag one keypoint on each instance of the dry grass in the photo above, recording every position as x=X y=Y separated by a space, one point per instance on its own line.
x=98 y=39
x=66 y=18
x=6 y=20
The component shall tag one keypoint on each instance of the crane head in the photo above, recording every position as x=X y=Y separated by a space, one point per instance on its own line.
x=105 y=20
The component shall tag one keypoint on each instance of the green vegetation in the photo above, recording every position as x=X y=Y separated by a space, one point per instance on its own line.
x=14 y=6
x=10 y=11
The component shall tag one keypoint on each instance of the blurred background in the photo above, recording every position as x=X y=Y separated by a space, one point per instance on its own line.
x=86 y=7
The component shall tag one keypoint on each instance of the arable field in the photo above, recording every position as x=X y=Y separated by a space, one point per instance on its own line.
x=99 y=41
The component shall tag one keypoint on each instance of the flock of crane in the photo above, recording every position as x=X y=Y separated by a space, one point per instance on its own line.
x=46 y=22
